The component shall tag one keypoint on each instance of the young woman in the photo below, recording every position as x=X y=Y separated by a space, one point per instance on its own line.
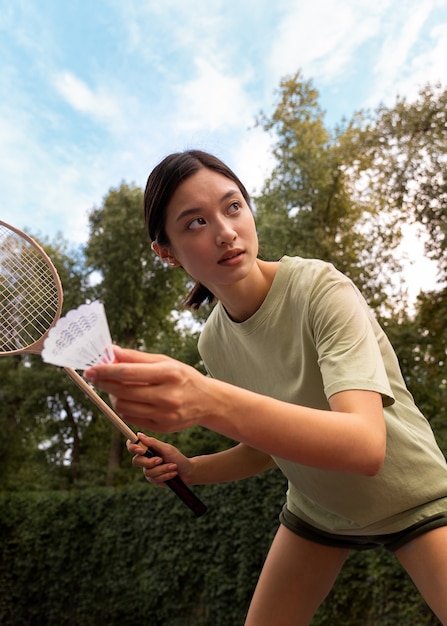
x=304 y=378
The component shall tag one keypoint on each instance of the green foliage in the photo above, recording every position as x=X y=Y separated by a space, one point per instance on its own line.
x=341 y=195
x=310 y=205
x=406 y=150
x=373 y=589
x=69 y=263
x=138 y=291
x=421 y=345
x=432 y=325
x=102 y=557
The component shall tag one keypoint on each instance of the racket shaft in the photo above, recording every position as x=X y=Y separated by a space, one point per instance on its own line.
x=181 y=490
x=102 y=406
x=176 y=484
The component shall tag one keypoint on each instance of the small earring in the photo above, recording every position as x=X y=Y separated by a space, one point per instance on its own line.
x=170 y=261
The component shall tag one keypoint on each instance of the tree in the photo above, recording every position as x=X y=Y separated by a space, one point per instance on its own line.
x=406 y=149
x=420 y=341
x=311 y=205
x=431 y=387
x=139 y=292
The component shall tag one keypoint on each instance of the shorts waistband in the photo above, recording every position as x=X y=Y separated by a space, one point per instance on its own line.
x=391 y=542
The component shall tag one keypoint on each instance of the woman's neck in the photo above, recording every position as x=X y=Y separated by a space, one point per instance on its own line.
x=244 y=298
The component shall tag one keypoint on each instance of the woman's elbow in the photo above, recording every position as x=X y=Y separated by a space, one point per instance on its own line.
x=374 y=458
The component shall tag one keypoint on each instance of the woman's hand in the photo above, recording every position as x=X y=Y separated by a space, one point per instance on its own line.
x=158 y=469
x=152 y=391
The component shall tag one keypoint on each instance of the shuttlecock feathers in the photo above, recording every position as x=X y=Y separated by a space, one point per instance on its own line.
x=80 y=339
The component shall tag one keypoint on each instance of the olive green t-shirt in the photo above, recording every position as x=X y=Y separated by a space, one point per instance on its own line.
x=312 y=337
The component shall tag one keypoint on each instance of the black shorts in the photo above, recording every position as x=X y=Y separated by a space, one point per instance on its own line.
x=391 y=542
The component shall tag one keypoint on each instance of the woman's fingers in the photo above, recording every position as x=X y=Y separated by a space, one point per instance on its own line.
x=155 y=469
x=125 y=355
x=158 y=469
x=132 y=366
x=156 y=393
x=160 y=475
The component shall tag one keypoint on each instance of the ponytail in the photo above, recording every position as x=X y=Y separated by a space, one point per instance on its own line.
x=198 y=295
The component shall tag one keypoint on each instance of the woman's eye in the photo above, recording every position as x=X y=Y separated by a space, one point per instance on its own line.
x=196 y=223
x=234 y=206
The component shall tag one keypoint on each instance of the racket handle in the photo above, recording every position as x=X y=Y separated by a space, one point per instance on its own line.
x=181 y=490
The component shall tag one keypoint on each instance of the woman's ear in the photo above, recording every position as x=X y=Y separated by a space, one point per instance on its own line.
x=165 y=254
x=155 y=248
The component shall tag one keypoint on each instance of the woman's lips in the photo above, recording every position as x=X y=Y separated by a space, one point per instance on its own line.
x=230 y=257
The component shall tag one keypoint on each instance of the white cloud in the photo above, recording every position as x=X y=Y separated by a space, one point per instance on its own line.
x=46 y=186
x=322 y=37
x=99 y=103
x=212 y=100
x=403 y=32
x=426 y=66
x=165 y=33
x=252 y=159
x=420 y=273
x=45 y=191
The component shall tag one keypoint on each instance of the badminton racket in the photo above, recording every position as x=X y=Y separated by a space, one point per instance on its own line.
x=31 y=299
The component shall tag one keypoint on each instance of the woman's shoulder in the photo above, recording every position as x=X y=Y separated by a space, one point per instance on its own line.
x=306 y=264
x=308 y=271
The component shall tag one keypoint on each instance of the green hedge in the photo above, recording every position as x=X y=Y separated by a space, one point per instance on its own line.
x=137 y=556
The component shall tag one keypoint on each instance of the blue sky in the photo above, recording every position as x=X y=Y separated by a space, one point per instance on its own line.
x=94 y=92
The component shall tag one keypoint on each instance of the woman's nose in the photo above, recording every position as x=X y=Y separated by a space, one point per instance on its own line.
x=225 y=234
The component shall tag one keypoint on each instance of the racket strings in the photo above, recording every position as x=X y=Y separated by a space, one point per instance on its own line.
x=29 y=297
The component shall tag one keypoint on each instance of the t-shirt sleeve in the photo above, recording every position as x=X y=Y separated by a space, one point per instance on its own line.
x=346 y=337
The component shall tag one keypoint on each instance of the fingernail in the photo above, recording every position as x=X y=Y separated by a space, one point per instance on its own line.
x=90 y=375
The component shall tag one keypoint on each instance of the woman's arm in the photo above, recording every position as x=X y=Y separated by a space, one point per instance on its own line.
x=161 y=394
x=236 y=463
x=351 y=437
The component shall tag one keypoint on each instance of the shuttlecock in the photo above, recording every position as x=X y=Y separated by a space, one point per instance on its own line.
x=80 y=339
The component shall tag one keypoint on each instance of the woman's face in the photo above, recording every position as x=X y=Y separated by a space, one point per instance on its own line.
x=211 y=230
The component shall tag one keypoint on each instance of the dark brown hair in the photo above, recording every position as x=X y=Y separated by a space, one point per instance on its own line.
x=161 y=186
